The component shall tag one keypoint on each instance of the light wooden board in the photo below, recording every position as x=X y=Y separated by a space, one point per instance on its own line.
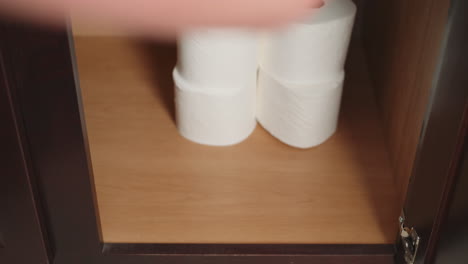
x=403 y=40
x=83 y=29
x=153 y=186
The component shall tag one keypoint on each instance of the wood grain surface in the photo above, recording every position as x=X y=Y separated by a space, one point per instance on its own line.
x=403 y=40
x=153 y=186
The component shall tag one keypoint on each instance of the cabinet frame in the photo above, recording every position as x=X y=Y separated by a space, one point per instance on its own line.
x=23 y=236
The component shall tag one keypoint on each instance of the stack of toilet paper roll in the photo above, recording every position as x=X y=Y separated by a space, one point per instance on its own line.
x=300 y=80
x=215 y=85
x=301 y=76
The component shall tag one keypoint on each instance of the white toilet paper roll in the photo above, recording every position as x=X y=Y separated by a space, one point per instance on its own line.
x=313 y=50
x=216 y=117
x=222 y=58
x=301 y=116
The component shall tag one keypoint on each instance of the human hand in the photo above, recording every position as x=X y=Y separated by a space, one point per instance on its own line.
x=164 y=17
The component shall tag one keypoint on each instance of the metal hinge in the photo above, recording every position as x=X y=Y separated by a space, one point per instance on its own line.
x=410 y=241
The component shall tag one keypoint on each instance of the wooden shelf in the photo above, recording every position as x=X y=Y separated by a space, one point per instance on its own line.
x=153 y=186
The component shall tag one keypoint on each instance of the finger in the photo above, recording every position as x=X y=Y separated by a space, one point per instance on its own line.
x=164 y=16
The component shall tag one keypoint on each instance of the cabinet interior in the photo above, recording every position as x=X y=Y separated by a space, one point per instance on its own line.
x=153 y=186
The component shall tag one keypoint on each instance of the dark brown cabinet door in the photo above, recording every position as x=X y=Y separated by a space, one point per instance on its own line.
x=22 y=239
x=443 y=138
x=442 y=146
x=452 y=246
